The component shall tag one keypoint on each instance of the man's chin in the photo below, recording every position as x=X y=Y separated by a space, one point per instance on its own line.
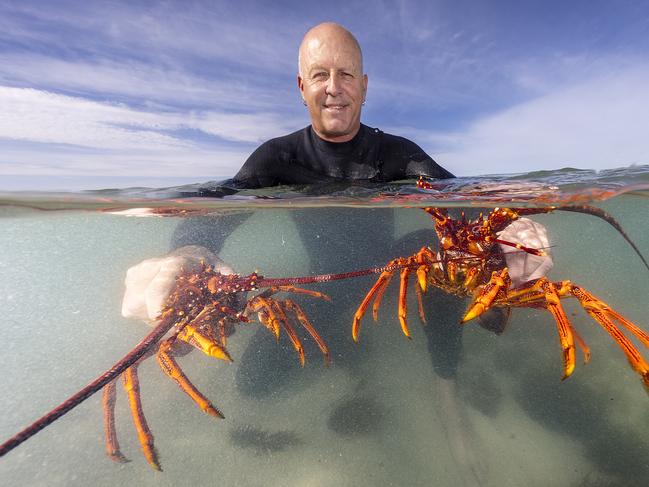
x=335 y=131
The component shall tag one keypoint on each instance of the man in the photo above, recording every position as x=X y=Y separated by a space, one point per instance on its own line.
x=336 y=146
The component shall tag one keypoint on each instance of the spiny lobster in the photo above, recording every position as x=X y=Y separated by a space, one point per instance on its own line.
x=469 y=262
x=202 y=310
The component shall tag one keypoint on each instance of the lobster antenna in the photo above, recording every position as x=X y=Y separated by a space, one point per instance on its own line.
x=588 y=210
x=146 y=344
x=598 y=212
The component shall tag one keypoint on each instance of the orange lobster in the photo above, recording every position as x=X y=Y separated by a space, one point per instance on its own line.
x=469 y=262
x=204 y=307
x=201 y=311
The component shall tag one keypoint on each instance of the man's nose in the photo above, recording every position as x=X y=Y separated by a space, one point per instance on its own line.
x=333 y=85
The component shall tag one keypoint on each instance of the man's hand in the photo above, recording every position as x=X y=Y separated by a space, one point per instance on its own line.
x=149 y=283
x=524 y=267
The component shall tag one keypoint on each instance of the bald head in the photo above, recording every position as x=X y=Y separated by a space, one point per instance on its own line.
x=332 y=82
x=331 y=36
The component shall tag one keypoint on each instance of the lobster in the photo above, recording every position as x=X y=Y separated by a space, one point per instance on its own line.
x=469 y=262
x=201 y=310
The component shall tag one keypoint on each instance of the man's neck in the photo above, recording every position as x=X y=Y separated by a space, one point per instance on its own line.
x=337 y=140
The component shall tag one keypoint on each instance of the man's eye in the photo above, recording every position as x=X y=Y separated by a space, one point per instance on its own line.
x=347 y=75
x=319 y=76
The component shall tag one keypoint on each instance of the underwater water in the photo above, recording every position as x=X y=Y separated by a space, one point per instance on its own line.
x=388 y=411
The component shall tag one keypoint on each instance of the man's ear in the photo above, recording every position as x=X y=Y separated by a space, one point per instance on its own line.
x=300 y=83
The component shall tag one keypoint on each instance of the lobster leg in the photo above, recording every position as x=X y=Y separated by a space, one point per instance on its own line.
x=271 y=315
x=225 y=328
x=484 y=299
x=265 y=312
x=545 y=294
x=300 y=290
x=420 y=304
x=275 y=316
x=112 y=445
x=564 y=328
x=540 y=293
x=636 y=331
x=403 y=305
x=602 y=313
x=582 y=345
x=199 y=336
x=132 y=387
x=290 y=331
x=382 y=281
x=204 y=343
x=378 y=297
x=423 y=258
x=170 y=367
x=306 y=324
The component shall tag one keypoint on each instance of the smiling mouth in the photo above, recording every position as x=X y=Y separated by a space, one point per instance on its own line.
x=335 y=107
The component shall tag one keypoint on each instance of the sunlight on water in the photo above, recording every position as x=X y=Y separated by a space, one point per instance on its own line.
x=380 y=415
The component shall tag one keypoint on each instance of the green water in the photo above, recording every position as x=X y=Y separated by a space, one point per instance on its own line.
x=384 y=420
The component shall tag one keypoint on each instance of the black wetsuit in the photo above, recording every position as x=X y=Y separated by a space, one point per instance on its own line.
x=336 y=239
x=304 y=158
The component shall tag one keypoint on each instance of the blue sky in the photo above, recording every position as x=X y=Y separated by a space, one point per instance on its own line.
x=119 y=93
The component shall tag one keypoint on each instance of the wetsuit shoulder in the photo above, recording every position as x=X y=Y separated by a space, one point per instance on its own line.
x=269 y=163
x=403 y=159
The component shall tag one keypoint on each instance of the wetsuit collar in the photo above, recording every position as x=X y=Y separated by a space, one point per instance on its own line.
x=355 y=159
x=338 y=148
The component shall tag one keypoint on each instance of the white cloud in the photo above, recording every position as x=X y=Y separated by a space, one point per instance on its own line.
x=41 y=116
x=166 y=31
x=137 y=80
x=596 y=124
x=48 y=133
x=44 y=160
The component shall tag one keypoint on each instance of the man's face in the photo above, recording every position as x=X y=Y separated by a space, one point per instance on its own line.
x=332 y=85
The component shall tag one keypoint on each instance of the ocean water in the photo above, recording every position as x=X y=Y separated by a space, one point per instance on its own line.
x=380 y=415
